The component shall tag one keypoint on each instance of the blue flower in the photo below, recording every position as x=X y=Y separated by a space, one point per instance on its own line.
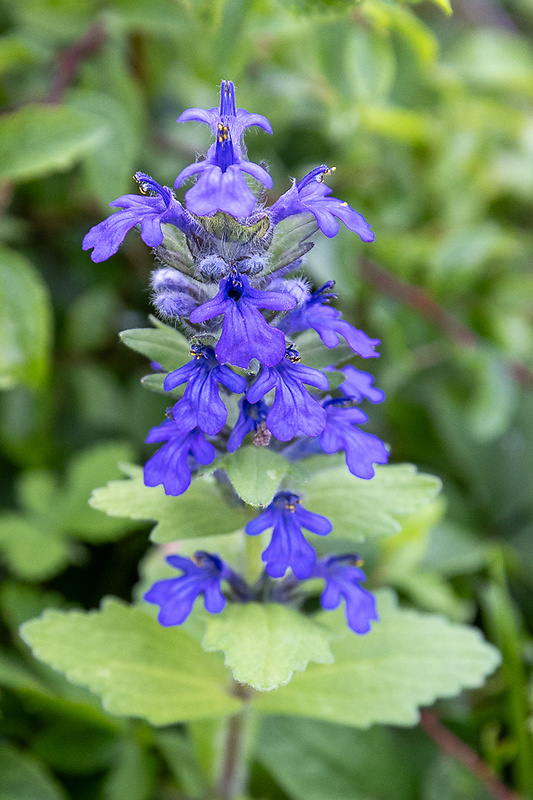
x=288 y=546
x=155 y=206
x=359 y=385
x=201 y=405
x=294 y=410
x=171 y=464
x=245 y=332
x=202 y=574
x=327 y=322
x=252 y=417
x=311 y=194
x=362 y=450
x=343 y=578
x=222 y=185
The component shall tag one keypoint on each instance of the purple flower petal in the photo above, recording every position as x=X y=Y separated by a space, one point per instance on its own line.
x=362 y=450
x=202 y=574
x=343 y=579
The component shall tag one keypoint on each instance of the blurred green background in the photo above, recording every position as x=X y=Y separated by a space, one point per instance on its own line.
x=428 y=118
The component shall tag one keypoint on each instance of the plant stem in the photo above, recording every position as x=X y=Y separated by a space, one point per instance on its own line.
x=253 y=564
x=239 y=736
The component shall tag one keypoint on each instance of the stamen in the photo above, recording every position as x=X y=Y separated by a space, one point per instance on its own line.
x=144 y=186
x=292 y=354
x=223 y=133
x=328 y=171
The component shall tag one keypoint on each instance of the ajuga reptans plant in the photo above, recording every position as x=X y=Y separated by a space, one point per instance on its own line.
x=229 y=276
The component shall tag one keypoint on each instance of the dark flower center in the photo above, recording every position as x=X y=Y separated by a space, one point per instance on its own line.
x=234 y=289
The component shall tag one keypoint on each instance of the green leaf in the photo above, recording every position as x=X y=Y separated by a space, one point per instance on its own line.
x=163 y=344
x=444 y=5
x=179 y=755
x=132 y=775
x=174 y=252
x=494 y=397
x=16 y=675
x=359 y=508
x=138 y=667
x=265 y=643
x=290 y=240
x=89 y=468
x=91 y=317
x=25 y=322
x=255 y=473
x=38 y=139
x=31 y=551
x=110 y=167
x=76 y=748
x=370 y=64
x=23 y=778
x=407 y=660
x=314 y=760
x=201 y=511
x=314 y=354
x=448 y=779
x=495 y=59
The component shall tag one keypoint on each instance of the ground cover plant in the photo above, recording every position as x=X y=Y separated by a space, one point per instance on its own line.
x=242 y=555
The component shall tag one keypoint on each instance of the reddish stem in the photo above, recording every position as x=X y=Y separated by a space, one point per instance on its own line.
x=416 y=298
x=70 y=60
x=450 y=744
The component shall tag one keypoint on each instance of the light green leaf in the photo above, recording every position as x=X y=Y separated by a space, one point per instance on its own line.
x=163 y=344
x=31 y=551
x=359 y=508
x=265 y=643
x=25 y=323
x=38 y=139
x=23 y=778
x=407 y=660
x=201 y=511
x=255 y=473
x=139 y=668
